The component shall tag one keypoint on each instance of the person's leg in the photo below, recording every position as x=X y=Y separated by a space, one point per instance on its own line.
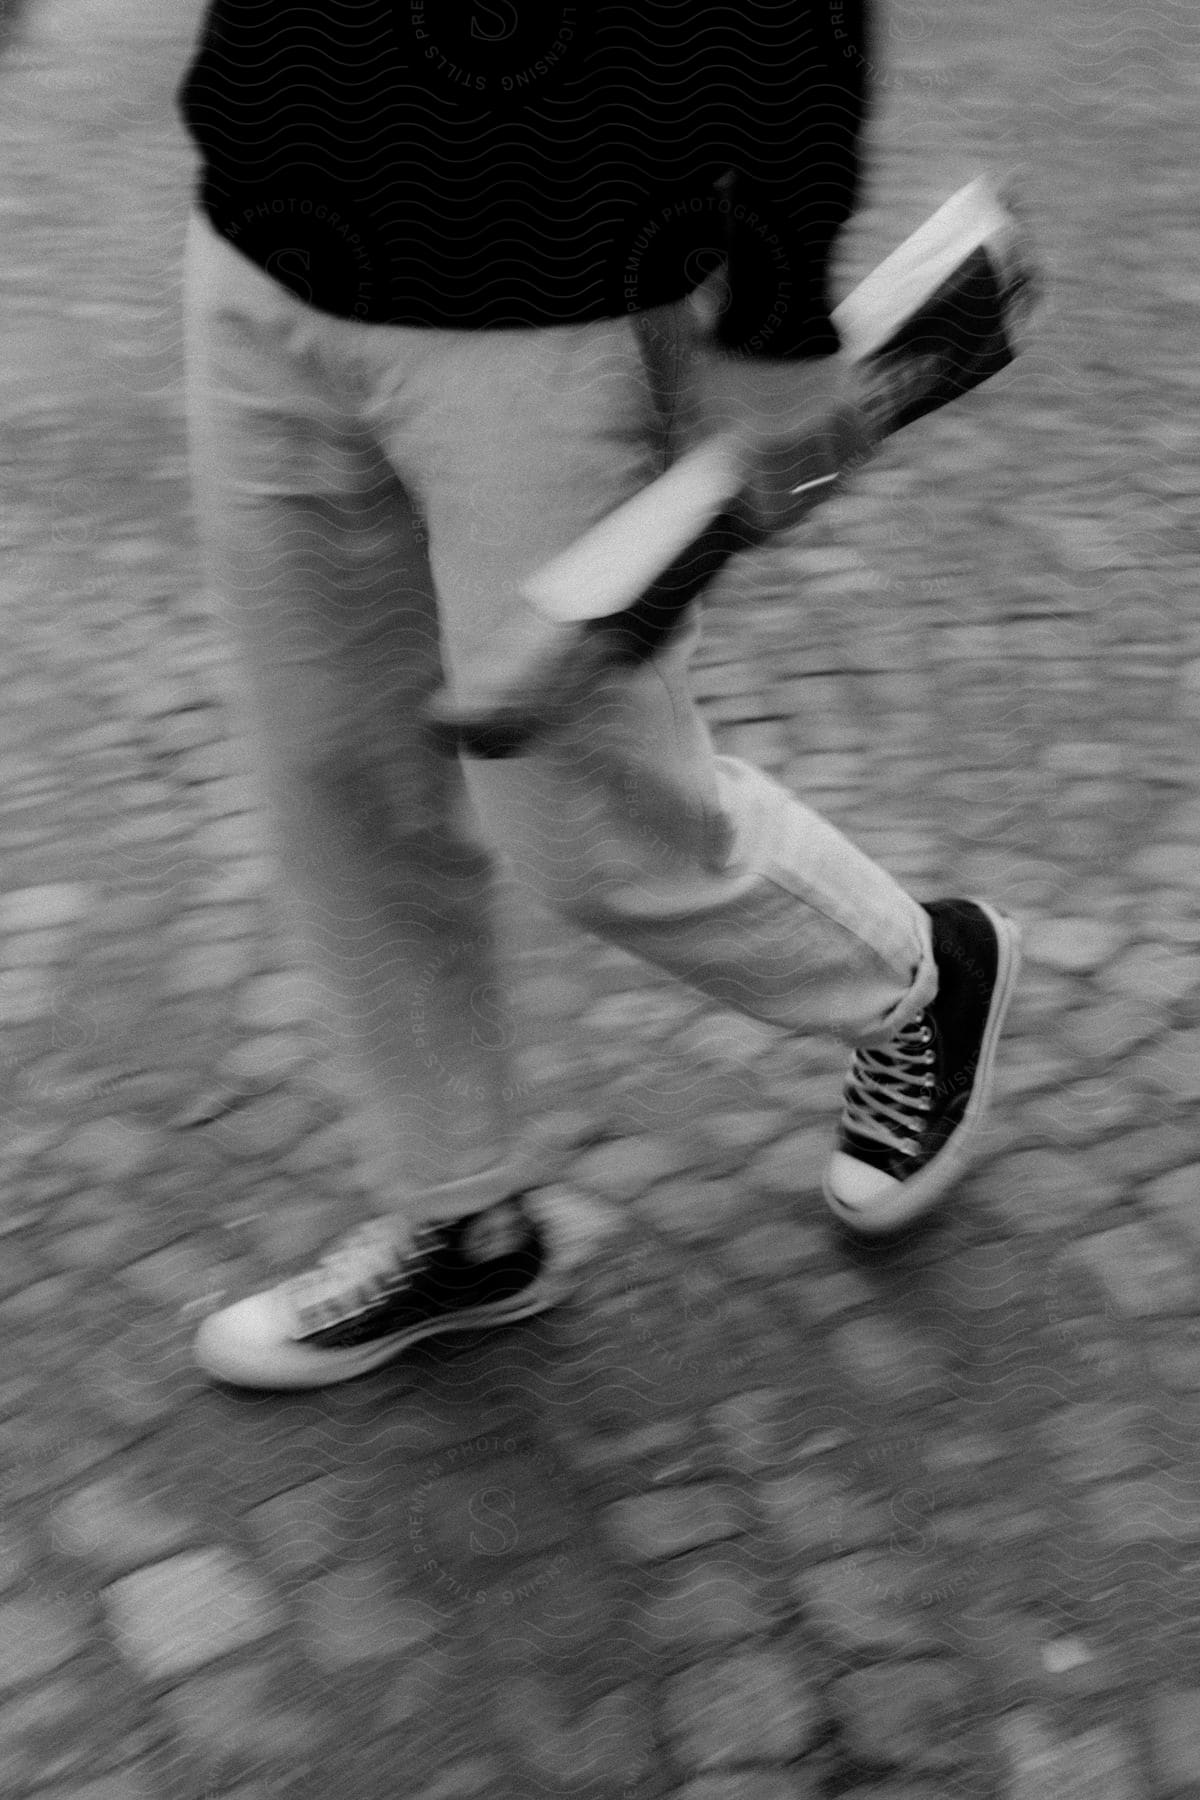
x=318 y=555
x=626 y=820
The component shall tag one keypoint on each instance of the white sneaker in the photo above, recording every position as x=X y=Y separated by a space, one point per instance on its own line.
x=913 y=1107
x=379 y=1290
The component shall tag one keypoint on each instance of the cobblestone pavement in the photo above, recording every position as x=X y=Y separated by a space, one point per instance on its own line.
x=757 y=1515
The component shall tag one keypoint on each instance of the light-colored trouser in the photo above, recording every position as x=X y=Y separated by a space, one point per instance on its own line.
x=370 y=498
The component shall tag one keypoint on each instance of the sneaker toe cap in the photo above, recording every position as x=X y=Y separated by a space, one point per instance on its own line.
x=248 y=1345
x=855 y=1188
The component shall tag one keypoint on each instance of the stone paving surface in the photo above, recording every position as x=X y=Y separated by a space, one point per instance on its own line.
x=758 y=1516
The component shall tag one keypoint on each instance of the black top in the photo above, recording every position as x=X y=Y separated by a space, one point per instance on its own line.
x=488 y=164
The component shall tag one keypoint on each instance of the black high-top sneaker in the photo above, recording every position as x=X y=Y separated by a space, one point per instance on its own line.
x=913 y=1106
x=377 y=1292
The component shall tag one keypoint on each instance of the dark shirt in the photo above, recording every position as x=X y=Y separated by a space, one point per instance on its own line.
x=420 y=162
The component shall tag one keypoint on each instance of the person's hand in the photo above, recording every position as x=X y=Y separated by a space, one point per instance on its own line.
x=777 y=411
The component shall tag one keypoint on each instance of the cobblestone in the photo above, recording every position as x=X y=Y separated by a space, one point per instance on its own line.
x=747 y=1429
x=1175 y=1196
x=1175 y=1356
x=112 y=1524
x=865 y=1601
x=264 y=1123
x=41 y=1634
x=1171 y=1066
x=25 y=994
x=111 y=1149
x=622 y=1168
x=818 y=1298
x=1151 y=974
x=1073 y=945
x=1165 y=1145
x=752 y=1784
x=706 y=1599
x=661 y=1524
x=692 y=1209
x=352 y=1617
x=1106 y=1031
x=740 y=1130
x=231 y=1720
x=1045 y=1190
x=780 y=1248
x=463 y=1780
x=904 y=1715
x=176 y=1615
x=651 y=1444
x=891 y=1359
x=124 y=1784
x=267 y=1057
x=605 y=1743
x=40 y=1731
x=15 y=1558
x=902 y=1790
x=42 y=908
x=33 y=950
x=274 y=1002
x=421 y=1682
x=1140 y=1272
x=814 y=1511
x=1147 y=1509
x=37 y=1457
x=792 y=1164
x=206 y=966
x=751 y=1705
x=1175 y=1722
x=1167 y=862
x=1096 y=1763
x=302 y=1529
x=1096 y=1440
x=173 y=1277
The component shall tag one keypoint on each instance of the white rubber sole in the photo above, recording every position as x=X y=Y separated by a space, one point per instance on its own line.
x=913 y=1199
x=245 y=1347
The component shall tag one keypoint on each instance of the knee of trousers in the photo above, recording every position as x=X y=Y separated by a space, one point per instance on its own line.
x=572 y=877
x=600 y=885
x=608 y=900
x=589 y=841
